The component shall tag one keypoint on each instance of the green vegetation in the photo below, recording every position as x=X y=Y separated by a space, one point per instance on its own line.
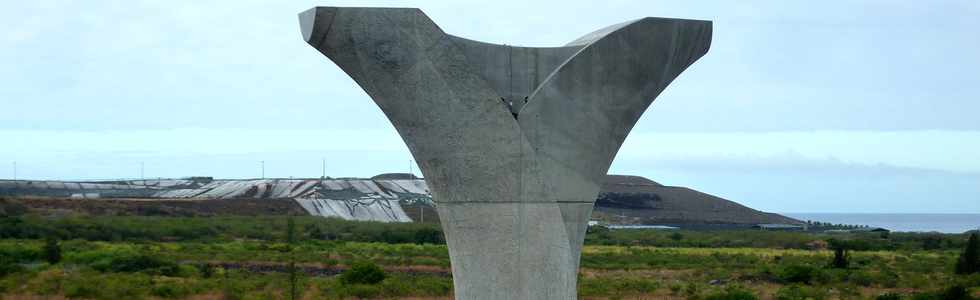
x=115 y=257
x=52 y=251
x=363 y=272
x=969 y=262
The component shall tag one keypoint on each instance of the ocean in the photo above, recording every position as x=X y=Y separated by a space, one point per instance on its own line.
x=945 y=223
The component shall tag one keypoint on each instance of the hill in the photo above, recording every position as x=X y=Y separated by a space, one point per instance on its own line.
x=637 y=200
x=393 y=197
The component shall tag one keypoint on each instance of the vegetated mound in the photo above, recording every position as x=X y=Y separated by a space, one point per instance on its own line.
x=637 y=200
x=394 y=176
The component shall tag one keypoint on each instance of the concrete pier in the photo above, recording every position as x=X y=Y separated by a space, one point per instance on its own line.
x=513 y=141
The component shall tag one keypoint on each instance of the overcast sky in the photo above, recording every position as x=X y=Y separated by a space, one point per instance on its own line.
x=831 y=106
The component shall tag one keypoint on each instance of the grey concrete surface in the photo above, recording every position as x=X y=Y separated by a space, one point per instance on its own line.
x=512 y=141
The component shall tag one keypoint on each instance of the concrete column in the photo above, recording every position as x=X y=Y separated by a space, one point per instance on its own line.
x=514 y=184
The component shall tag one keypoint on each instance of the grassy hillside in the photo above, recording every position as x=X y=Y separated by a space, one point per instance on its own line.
x=634 y=199
x=251 y=258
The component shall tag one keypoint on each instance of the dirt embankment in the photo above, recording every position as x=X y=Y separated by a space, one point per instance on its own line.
x=160 y=207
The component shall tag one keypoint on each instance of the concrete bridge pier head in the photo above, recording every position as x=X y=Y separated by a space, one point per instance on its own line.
x=513 y=142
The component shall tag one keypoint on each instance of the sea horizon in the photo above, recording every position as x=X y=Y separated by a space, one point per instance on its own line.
x=902 y=222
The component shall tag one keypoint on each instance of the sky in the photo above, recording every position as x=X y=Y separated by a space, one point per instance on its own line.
x=799 y=106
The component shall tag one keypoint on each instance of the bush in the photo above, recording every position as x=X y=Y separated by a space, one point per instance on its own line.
x=861 y=278
x=362 y=272
x=170 y=291
x=889 y=296
x=797 y=292
x=428 y=235
x=52 y=251
x=138 y=263
x=8 y=267
x=798 y=274
x=11 y=208
x=11 y=257
x=73 y=290
x=956 y=292
x=692 y=290
x=616 y=285
x=733 y=293
x=363 y=291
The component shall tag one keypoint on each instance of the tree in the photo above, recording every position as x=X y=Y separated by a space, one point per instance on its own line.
x=841 y=257
x=969 y=261
x=52 y=251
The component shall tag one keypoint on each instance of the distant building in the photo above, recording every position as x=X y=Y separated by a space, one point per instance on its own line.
x=662 y=227
x=779 y=227
x=869 y=229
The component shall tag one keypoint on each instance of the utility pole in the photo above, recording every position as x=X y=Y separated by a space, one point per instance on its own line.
x=410 y=163
x=323 y=168
x=263 y=169
x=421 y=214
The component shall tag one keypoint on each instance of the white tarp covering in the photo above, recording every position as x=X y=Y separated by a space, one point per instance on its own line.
x=348 y=198
x=415 y=186
x=391 y=186
x=381 y=210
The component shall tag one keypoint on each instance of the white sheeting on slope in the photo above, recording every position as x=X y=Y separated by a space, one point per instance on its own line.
x=376 y=200
x=381 y=210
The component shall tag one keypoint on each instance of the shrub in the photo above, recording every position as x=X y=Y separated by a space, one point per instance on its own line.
x=616 y=285
x=798 y=274
x=889 y=296
x=11 y=208
x=138 y=263
x=74 y=290
x=363 y=291
x=206 y=270
x=52 y=251
x=932 y=242
x=956 y=292
x=692 y=291
x=733 y=292
x=363 y=272
x=8 y=267
x=798 y=292
x=848 y=292
x=168 y=291
x=861 y=278
x=428 y=235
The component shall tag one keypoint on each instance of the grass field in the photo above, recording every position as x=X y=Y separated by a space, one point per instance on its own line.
x=255 y=258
